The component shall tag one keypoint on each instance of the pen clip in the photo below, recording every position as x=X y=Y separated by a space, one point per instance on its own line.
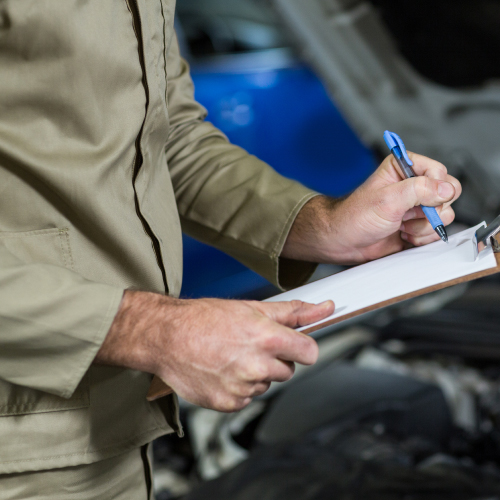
x=393 y=140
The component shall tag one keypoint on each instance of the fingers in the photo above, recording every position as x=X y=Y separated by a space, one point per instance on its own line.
x=277 y=371
x=251 y=390
x=259 y=389
x=285 y=344
x=289 y=345
x=428 y=167
x=229 y=404
x=420 y=241
x=261 y=349
x=254 y=382
x=399 y=198
x=271 y=370
x=280 y=371
x=458 y=189
x=419 y=226
x=423 y=167
x=391 y=172
x=419 y=231
x=297 y=313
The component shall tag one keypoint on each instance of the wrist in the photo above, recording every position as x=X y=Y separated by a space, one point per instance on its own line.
x=133 y=338
x=313 y=233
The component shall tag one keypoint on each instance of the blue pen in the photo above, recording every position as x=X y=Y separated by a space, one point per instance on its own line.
x=398 y=149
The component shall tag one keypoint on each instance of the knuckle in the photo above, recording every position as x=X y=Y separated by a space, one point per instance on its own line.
x=259 y=328
x=284 y=373
x=289 y=373
x=242 y=403
x=311 y=352
x=448 y=215
x=443 y=168
x=408 y=229
x=255 y=372
x=226 y=403
x=410 y=238
x=219 y=402
x=440 y=167
x=233 y=405
x=315 y=352
x=270 y=343
x=457 y=185
x=261 y=389
x=421 y=185
x=237 y=388
x=295 y=304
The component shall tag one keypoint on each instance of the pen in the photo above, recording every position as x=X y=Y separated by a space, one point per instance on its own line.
x=397 y=147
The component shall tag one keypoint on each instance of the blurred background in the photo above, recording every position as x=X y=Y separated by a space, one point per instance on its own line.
x=310 y=87
x=266 y=99
x=404 y=402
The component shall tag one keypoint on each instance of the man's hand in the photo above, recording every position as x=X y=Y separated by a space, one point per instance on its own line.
x=215 y=353
x=379 y=218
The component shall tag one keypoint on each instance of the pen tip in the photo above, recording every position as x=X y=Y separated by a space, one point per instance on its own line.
x=442 y=233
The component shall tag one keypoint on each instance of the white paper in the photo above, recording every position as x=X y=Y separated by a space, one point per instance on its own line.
x=395 y=275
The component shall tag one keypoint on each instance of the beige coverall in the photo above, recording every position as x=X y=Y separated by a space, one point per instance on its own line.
x=104 y=155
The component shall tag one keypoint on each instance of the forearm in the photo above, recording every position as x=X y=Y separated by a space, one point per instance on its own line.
x=212 y=352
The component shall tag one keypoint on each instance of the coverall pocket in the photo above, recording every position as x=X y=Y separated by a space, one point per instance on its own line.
x=49 y=246
x=18 y=400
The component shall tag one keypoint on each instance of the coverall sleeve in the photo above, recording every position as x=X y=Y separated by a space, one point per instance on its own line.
x=227 y=197
x=46 y=314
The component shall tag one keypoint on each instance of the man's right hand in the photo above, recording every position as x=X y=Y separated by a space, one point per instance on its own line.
x=215 y=353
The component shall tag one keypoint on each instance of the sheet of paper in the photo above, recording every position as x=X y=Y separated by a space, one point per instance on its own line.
x=395 y=275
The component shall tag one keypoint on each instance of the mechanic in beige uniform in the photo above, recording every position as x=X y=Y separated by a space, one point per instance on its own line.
x=104 y=156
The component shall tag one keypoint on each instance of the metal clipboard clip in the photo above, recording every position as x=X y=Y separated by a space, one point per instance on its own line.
x=485 y=236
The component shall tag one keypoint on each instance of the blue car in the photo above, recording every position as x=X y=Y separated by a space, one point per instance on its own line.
x=259 y=93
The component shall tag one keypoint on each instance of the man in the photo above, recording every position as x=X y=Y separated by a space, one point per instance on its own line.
x=103 y=155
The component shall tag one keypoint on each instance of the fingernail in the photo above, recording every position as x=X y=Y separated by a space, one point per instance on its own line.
x=326 y=303
x=404 y=236
x=445 y=190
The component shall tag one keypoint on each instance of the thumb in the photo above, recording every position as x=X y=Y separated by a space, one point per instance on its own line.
x=295 y=312
x=418 y=191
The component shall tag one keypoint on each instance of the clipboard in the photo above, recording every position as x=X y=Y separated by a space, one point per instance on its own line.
x=159 y=389
x=401 y=298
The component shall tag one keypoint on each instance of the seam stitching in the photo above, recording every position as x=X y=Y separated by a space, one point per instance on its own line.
x=25 y=234
x=61 y=244
x=68 y=249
